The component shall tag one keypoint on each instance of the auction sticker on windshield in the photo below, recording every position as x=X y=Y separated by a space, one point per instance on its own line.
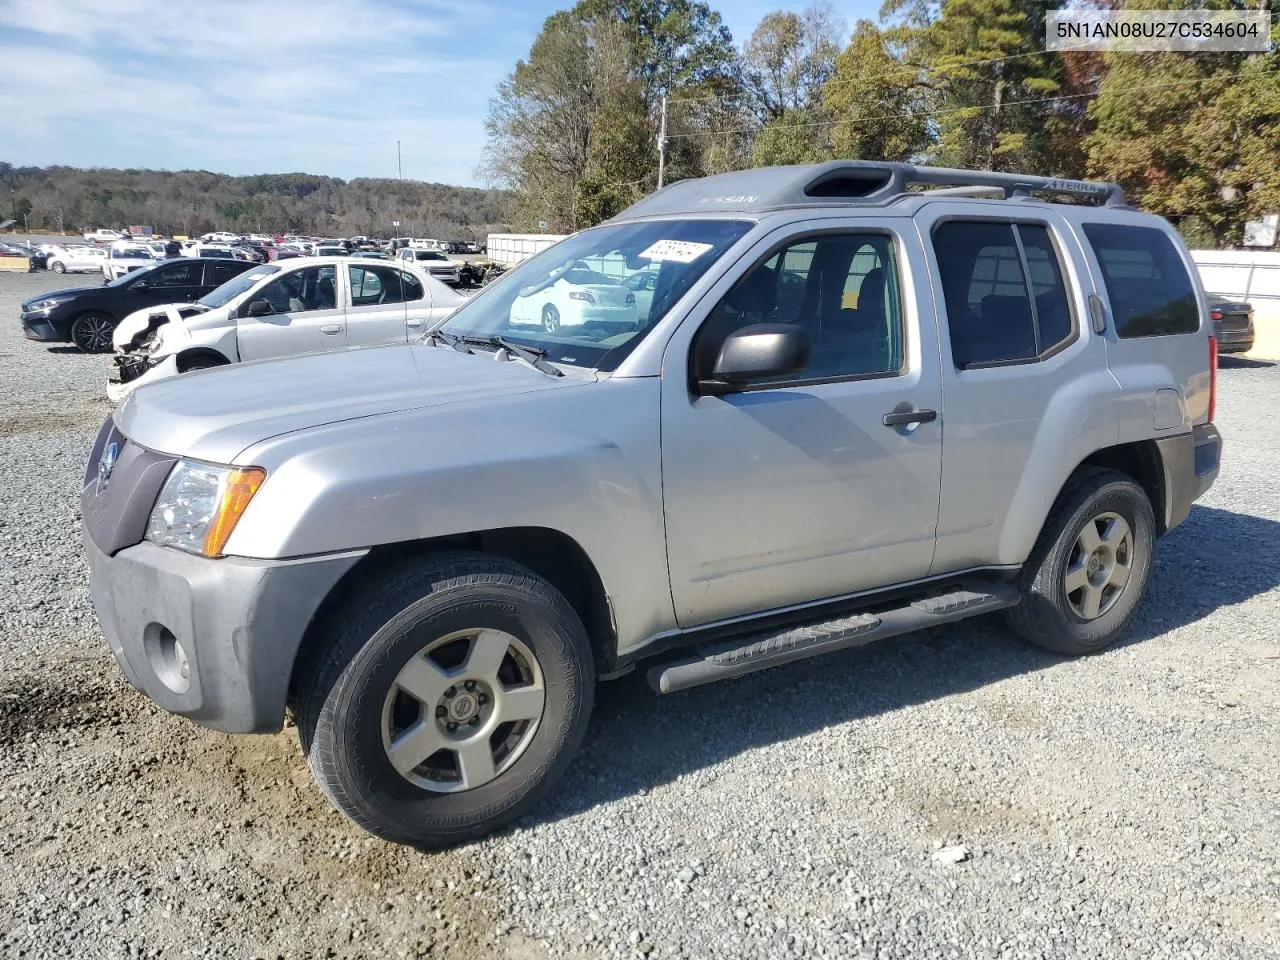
x=679 y=251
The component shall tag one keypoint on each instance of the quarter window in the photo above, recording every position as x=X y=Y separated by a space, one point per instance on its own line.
x=842 y=288
x=1149 y=288
x=1005 y=293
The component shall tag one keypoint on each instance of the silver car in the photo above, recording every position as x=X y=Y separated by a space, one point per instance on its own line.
x=859 y=402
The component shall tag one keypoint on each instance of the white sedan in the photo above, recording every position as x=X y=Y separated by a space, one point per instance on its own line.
x=78 y=259
x=578 y=297
x=303 y=305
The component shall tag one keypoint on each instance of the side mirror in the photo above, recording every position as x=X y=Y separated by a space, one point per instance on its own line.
x=259 y=308
x=760 y=351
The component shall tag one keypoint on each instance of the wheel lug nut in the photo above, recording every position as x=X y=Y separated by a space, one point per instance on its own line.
x=474 y=721
x=470 y=684
x=441 y=711
x=482 y=699
x=452 y=726
x=450 y=692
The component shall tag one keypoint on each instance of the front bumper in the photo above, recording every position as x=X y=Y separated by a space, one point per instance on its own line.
x=36 y=325
x=212 y=640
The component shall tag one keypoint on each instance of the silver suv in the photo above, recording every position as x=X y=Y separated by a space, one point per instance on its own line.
x=857 y=400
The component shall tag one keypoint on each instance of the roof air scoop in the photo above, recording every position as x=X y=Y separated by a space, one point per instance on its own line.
x=849 y=183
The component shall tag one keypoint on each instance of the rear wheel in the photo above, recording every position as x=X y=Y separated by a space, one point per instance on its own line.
x=1088 y=571
x=91 y=332
x=447 y=700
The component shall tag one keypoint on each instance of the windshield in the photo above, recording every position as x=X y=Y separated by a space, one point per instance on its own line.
x=130 y=277
x=573 y=301
x=133 y=253
x=221 y=296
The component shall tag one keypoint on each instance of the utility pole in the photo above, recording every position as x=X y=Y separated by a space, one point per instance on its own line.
x=662 y=143
x=399 y=169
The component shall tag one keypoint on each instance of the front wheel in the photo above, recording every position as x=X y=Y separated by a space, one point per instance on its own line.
x=446 y=700
x=550 y=318
x=91 y=332
x=58 y=267
x=1088 y=571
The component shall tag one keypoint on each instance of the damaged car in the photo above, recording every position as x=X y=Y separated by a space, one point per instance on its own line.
x=305 y=305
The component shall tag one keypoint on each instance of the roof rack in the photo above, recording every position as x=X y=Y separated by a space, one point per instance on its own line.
x=854 y=182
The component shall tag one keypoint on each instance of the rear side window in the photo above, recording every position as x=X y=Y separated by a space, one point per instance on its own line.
x=1149 y=288
x=1005 y=293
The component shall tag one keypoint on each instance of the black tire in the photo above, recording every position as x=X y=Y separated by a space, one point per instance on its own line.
x=200 y=362
x=58 y=267
x=1047 y=616
x=91 y=331
x=345 y=684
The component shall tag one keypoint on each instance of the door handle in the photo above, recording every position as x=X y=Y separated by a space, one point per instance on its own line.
x=413 y=323
x=331 y=328
x=901 y=418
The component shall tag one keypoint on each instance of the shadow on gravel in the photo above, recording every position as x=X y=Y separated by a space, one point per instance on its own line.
x=639 y=740
x=67 y=349
x=1232 y=362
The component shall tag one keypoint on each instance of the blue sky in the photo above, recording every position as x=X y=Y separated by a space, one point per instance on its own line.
x=272 y=86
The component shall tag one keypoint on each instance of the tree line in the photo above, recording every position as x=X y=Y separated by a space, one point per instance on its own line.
x=193 y=202
x=966 y=83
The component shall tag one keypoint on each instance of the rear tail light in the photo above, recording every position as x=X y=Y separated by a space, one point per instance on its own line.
x=1213 y=376
x=1215 y=314
x=582 y=295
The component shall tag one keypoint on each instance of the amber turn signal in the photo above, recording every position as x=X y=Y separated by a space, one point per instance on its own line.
x=237 y=490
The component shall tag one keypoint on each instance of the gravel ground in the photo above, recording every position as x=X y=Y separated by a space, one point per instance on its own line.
x=1120 y=806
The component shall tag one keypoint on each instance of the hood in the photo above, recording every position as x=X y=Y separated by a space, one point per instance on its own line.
x=215 y=414
x=68 y=292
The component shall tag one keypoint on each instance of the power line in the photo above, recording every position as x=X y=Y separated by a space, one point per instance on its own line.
x=937 y=113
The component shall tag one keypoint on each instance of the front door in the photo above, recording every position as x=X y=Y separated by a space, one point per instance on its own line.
x=796 y=490
x=307 y=315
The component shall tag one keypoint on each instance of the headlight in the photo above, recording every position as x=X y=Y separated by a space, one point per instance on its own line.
x=49 y=303
x=200 y=505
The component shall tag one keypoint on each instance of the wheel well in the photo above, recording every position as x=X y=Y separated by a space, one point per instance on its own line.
x=187 y=357
x=1141 y=461
x=554 y=556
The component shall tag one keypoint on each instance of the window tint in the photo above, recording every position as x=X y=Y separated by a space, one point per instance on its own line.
x=843 y=289
x=314 y=288
x=1149 y=288
x=220 y=273
x=176 y=275
x=999 y=311
x=376 y=285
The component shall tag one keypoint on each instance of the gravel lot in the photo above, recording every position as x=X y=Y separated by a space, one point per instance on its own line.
x=1120 y=806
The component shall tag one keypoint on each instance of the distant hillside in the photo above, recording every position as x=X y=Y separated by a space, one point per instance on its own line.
x=196 y=201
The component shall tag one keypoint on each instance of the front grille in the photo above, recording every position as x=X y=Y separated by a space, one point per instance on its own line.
x=115 y=508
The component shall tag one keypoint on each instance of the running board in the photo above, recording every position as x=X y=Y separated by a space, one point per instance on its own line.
x=725 y=659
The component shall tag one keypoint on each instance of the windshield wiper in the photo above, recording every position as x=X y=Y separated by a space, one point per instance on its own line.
x=448 y=339
x=530 y=355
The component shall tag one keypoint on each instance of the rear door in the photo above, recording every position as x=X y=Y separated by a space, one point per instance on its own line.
x=1023 y=379
x=308 y=315
x=377 y=313
x=218 y=272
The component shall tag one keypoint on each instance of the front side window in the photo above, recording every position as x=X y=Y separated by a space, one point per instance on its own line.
x=842 y=288
x=1005 y=292
x=1149 y=288
x=176 y=275
x=572 y=299
x=312 y=288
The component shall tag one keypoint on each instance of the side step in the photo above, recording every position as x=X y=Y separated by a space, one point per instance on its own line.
x=736 y=657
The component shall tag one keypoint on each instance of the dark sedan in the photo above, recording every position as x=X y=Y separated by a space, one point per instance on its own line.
x=86 y=316
x=1232 y=324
